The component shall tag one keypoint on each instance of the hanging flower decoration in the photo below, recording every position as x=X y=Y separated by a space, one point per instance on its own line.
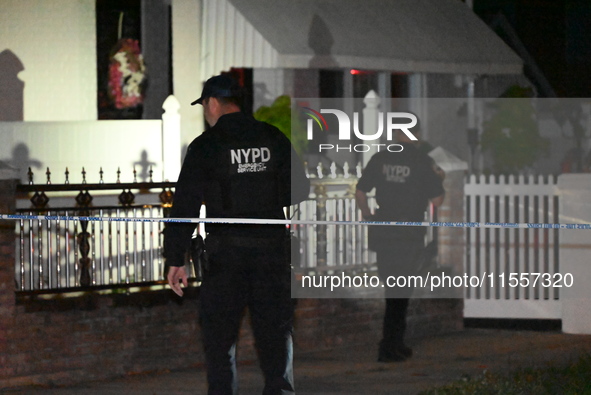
x=127 y=74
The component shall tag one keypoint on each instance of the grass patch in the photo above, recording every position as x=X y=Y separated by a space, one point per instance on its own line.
x=572 y=379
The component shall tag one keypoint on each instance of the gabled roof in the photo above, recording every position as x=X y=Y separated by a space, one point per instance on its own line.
x=431 y=36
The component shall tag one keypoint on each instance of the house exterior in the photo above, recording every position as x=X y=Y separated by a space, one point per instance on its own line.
x=425 y=48
x=414 y=49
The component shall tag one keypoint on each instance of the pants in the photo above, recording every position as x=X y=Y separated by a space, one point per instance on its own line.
x=397 y=259
x=257 y=278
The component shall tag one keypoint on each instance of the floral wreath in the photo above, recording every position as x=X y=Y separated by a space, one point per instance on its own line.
x=127 y=74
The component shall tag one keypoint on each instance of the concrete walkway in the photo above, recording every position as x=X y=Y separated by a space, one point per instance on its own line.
x=354 y=370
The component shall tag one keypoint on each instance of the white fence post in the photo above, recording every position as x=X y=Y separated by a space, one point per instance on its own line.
x=575 y=245
x=171 y=139
x=370 y=121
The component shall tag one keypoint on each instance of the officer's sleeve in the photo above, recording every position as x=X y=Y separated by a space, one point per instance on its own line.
x=368 y=179
x=433 y=182
x=187 y=201
x=294 y=185
x=300 y=184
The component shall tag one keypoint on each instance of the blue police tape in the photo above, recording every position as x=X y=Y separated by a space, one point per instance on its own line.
x=296 y=222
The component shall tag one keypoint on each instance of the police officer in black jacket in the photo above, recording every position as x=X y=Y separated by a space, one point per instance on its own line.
x=405 y=182
x=239 y=168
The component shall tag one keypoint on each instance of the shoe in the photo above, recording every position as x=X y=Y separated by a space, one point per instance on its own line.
x=404 y=350
x=390 y=356
x=398 y=354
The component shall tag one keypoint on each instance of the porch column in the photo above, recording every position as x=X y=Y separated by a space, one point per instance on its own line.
x=186 y=65
x=451 y=241
x=575 y=248
x=171 y=139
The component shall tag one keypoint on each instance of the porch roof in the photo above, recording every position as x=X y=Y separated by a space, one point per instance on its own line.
x=430 y=36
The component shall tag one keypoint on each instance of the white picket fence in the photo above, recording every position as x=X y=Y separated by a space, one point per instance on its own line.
x=510 y=259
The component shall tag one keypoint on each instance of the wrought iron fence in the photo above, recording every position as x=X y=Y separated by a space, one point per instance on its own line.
x=58 y=255
x=72 y=253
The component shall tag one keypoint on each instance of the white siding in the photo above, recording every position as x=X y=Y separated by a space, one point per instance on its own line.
x=229 y=40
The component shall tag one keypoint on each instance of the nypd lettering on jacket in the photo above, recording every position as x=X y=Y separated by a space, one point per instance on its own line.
x=396 y=173
x=250 y=160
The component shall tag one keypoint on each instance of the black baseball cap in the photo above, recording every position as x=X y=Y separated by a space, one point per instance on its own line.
x=219 y=86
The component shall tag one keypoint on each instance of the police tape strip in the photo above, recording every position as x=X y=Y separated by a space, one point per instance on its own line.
x=493 y=225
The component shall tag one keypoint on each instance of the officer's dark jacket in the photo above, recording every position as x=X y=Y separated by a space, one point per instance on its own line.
x=240 y=168
x=404 y=182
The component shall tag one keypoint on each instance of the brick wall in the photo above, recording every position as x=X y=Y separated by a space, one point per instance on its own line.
x=327 y=323
x=451 y=240
x=63 y=341
x=6 y=273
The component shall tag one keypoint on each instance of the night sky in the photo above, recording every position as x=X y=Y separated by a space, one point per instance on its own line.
x=556 y=33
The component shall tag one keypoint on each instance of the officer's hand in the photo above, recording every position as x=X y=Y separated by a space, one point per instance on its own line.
x=368 y=217
x=176 y=276
x=439 y=171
